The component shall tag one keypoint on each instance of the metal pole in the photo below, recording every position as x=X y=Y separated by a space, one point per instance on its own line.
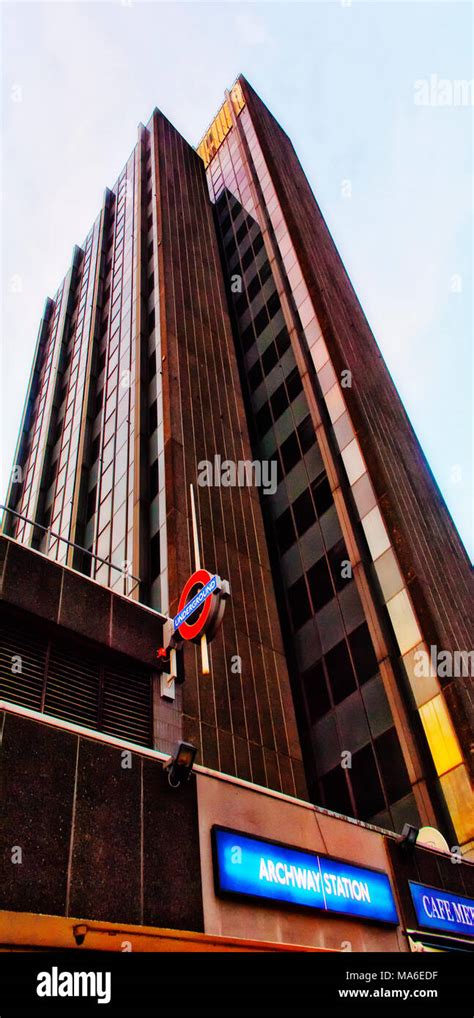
x=205 y=667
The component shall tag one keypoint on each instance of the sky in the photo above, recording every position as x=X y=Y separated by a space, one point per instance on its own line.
x=366 y=92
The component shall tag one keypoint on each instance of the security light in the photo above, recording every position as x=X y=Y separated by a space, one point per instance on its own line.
x=180 y=765
x=408 y=836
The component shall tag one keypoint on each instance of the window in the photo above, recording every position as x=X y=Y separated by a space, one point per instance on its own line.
x=247 y=259
x=113 y=361
x=152 y=418
x=153 y=479
x=91 y=503
x=263 y=420
x=366 y=783
x=241 y=304
x=285 y=531
x=269 y=358
x=52 y=473
x=99 y=402
x=303 y=511
x=363 y=653
x=241 y=233
x=273 y=305
x=86 y=563
x=253 y=288
x=340 y=673
x=316 y=692
x=261 y=321
x=290 y=452
x=294 y=384
x=46 y=516
x=276 y=459
x=155 y=557
x=257 y=244
x=336 y=792
x=279 y=401
x=320 y=584
x=322 y=495
x=265 y=272
x=306 y=434
x=151 y=321
x=336 y=556
x=230 y=248
x=108 y=450
x=392 y=765
x=282 y=342
x=152 y=366
x=255 y=376
x=299 y=603
x=95 y=449
x=248 y=338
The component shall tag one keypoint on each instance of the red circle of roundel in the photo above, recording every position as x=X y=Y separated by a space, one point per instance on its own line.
x=190 y=631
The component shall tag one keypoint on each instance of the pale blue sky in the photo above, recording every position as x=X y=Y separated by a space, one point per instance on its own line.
x=340 y=77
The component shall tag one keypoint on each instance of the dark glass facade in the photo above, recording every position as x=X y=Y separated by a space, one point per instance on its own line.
x=336 y=681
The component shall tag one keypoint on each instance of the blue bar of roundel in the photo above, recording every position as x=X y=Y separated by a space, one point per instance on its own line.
x=197 y=601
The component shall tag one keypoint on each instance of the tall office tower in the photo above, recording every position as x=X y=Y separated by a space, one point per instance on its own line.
x=193 y=326
x=135 y=382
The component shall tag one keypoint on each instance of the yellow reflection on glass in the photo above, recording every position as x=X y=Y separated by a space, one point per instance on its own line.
x=440 y=734
x=220 y=126
x=459 y=796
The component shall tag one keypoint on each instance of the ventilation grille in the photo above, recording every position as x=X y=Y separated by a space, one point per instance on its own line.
x=75 y=686
x=72 y=688
x=127 y=705
x=22 y=667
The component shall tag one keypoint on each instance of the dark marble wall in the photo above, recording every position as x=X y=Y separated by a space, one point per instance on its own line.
x=98 y=839
x=30 y=582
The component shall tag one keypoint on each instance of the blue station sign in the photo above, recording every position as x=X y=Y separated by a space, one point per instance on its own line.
x=254 y=868
x=442 y=910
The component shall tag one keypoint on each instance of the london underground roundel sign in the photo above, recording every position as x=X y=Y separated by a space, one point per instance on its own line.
x=201 y=606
